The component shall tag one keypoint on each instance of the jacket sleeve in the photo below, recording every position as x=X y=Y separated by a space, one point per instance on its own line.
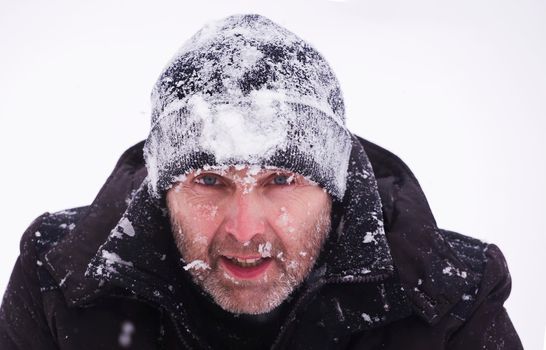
x=23 y=324
x=489 y=326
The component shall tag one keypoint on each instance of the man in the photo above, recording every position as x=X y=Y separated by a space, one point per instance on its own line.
x=252 y=218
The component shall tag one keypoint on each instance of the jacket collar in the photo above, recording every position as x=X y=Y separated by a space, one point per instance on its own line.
x=431 y=272
x=67 y=261
x=116 y=244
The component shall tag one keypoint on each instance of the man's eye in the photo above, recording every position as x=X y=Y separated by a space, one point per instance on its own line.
x=208 y=180
x=282 y=180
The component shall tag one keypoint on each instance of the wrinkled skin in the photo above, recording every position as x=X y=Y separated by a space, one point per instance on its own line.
x=274 y=222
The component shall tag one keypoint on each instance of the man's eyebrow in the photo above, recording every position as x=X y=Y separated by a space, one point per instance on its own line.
x=202 y=171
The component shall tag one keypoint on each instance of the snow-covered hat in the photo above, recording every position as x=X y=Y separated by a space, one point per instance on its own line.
x=244 y=90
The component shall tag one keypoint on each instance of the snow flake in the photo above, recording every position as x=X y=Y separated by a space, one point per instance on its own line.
x=126 y=334
x=197 y=265
x=113 y=258
x=369 y=237
x=125 y=226
x=366 y=317
x=453 y=271
x=63 y=280
x=265 y=249
x=466 y=297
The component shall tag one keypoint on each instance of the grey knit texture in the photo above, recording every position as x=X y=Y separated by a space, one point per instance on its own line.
x=244 y=90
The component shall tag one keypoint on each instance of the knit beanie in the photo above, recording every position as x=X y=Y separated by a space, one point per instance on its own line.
x=245 y=91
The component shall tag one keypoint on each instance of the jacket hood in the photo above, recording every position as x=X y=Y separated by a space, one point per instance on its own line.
x=123 y=244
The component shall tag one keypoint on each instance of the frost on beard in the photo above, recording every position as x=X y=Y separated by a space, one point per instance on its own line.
x=197 y=265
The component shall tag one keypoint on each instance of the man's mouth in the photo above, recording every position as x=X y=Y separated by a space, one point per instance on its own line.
x=245 y=267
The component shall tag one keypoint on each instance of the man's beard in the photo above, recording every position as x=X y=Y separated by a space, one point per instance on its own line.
x=289 y=265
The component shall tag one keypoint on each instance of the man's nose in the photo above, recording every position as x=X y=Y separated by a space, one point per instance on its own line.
x=245 y=218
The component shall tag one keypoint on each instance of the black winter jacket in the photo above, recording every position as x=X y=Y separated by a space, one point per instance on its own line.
x=86 y=280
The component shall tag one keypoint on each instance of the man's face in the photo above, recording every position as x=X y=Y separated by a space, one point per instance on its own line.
x=248 y=236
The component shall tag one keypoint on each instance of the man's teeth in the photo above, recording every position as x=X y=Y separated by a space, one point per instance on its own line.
x=246 y=262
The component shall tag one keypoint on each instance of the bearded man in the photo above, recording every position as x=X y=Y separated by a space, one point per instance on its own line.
x=252 y=218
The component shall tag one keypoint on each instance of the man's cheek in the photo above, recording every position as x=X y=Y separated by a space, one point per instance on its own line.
x=282 y=219
x=200 y=240
x=203 y=221
x=291 y=222
x=206 y=212
x=199 y=234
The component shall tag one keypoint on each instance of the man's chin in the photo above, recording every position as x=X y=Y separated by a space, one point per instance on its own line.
x=250 y=302
x=246 y=296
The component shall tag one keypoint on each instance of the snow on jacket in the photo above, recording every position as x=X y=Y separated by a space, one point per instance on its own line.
x=78 y=285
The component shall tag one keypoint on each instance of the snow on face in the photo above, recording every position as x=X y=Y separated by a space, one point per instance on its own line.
x=264 y=249
x=246 y=227
x=197 y=264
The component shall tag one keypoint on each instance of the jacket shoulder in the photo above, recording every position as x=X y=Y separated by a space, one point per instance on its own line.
x=471 y=251
x=44 y=233
x=484 y=322
x=49 y=228
x=486 y=260
x=22 y=310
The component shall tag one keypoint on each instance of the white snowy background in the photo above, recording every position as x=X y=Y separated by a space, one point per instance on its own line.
x=456 y=88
